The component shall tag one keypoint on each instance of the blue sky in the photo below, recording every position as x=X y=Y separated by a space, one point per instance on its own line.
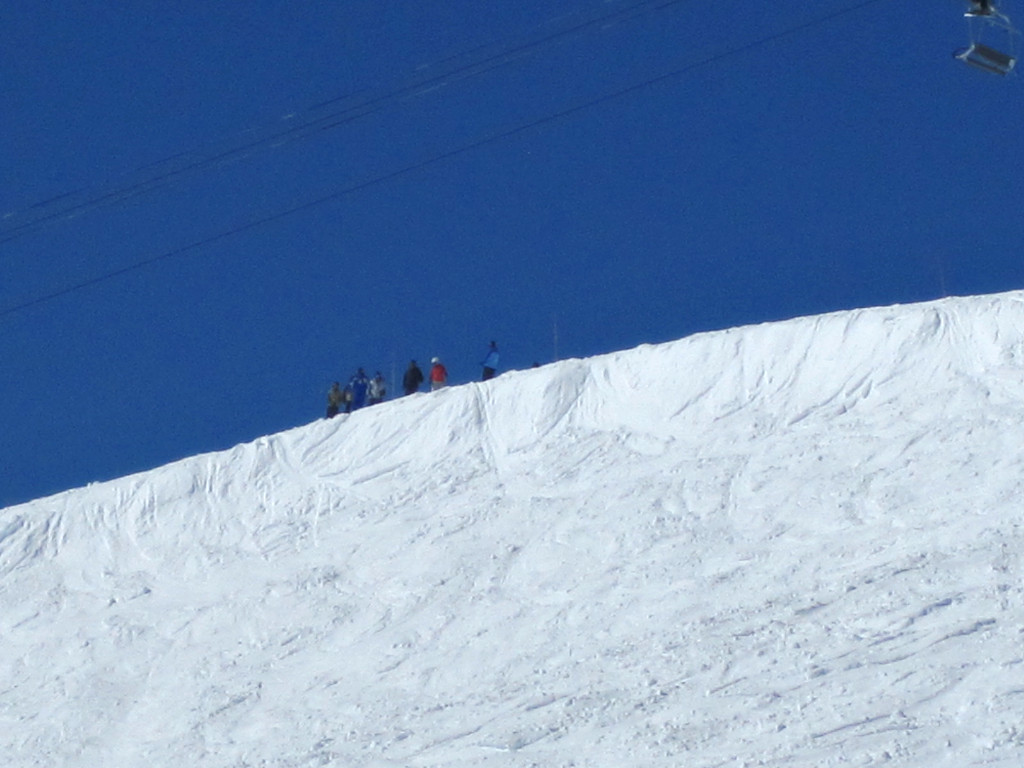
x=232 y=205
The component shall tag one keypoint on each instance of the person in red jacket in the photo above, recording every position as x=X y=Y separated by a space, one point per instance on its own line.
x=438 y=374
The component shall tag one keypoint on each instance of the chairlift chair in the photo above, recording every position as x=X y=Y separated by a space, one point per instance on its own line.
x=984 y=56
x=988 y=59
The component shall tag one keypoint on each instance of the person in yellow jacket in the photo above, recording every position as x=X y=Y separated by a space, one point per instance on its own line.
x=335 y=397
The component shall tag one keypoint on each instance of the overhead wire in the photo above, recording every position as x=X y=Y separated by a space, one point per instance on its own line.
x=341 y=110
x=437 y=158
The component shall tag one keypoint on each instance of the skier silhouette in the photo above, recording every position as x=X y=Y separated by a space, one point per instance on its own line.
x=490 y=362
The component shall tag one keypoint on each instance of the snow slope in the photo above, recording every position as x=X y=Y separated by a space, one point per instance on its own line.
x=796 y=544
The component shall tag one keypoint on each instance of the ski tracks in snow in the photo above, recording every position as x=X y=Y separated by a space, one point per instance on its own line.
x=789 y=545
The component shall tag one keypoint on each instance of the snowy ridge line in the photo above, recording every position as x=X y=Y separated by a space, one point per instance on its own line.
x=790 y=544
x=756 y=371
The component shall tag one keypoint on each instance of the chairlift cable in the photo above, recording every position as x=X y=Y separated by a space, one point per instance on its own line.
x=341 y=110
x=435 y=159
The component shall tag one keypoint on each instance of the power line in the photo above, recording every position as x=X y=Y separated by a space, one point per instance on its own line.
x=435 y=159
x=482 y=60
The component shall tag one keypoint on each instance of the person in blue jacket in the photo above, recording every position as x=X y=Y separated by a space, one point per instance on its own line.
x=490 y=362
x=359 y=386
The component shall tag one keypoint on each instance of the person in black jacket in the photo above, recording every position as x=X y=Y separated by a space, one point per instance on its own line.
x=412 y=379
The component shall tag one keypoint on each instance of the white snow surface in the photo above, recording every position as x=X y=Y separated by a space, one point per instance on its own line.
x=793 y=544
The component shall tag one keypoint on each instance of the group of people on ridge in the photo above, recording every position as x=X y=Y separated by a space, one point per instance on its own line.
x=362 y=391
x=359 y=392
x=413 y=377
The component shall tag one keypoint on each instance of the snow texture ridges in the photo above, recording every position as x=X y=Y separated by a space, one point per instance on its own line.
x=794 y=544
